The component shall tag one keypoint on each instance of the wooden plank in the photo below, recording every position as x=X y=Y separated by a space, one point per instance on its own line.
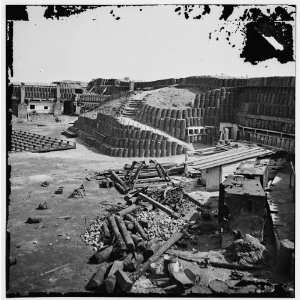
x=164 y=208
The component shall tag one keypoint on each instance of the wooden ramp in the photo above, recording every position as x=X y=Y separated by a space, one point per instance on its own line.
x=228 y=157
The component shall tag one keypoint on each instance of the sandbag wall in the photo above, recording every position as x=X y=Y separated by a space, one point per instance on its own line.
x=211 y=82
x=154 y=84
x=90 y=101
x=108 y=86
x=40 y=92
x=116 y=139
x=287 y=81
x=285 y=143
x=268 y=101
x=269 y=109
x=217 y=105
x=263 y=122
x=214 y=82
x=173 y=121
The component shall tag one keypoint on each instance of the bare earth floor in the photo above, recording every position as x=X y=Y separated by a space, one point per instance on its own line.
x=40 y=248
x=50 y=256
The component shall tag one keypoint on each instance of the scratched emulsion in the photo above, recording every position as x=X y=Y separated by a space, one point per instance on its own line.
x=257 y=28
x=261 y=27
x=61 y=11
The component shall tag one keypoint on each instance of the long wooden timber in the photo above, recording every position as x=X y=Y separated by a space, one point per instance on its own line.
x=232 y=159
x=229 y=157
x=228 y=153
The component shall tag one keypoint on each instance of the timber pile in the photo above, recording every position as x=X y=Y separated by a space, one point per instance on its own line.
x=138 y=175
x=128 y=242
x=125 y=252
x=131 y=242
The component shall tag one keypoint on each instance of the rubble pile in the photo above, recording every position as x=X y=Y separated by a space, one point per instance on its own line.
x=128 y=242
x=93 y=235
x=173 y=197
x=78 y=193
x=159 y=224
x=125 y=250
x=247 y=251
x=133 y=244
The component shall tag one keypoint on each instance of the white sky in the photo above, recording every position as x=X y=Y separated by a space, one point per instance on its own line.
x=153 y=44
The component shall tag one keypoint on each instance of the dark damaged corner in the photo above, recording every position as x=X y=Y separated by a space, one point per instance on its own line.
x=258 y=49
x=260 y=27
x=16 y=13
x=61 y=11
x=255 y=26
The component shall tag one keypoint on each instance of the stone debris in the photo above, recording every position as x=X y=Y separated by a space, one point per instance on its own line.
x=247 y=251
x=42 y=206
x=33 y=220
x=59 y=190
x=160 y=225
x=78 y=193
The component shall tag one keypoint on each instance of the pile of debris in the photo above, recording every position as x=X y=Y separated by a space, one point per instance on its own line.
x=125 y=250
x=139 y=175
x=247 y=251
x=77 y=193
x=129 y=242
x=159 y=225
x=138 y=247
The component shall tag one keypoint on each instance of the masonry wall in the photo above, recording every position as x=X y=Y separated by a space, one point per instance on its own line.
x=43 y=107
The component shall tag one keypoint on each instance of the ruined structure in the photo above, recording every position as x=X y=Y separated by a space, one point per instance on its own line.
x=242 y=203
x=258 y=110
x=55 y=98
x=254 y=169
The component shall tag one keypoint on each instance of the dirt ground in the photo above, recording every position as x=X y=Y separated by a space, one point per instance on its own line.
x=171 y=97
x=55 y=242
x=51 y=256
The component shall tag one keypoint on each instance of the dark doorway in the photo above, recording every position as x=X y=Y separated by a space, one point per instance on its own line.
x=69 y=108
